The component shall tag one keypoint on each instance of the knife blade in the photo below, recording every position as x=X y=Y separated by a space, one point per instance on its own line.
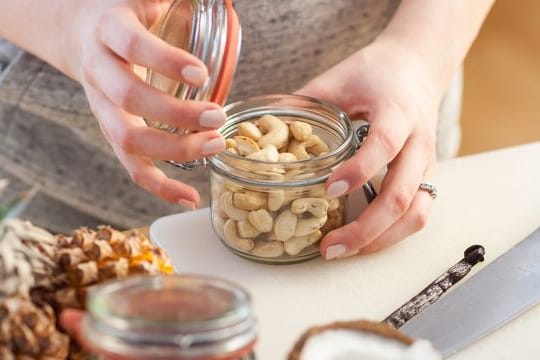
x=498 y=293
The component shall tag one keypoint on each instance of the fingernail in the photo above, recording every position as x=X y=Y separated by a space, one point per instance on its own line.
x=212 y=118
x=213 y=146
x=333 y=251
x=337 y=189
x=186 y=204
x=348 y=254
x=194 y=75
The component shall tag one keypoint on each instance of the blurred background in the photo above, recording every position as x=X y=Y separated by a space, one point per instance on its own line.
x=501 y=99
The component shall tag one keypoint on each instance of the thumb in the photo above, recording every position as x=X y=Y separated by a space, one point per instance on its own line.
x=332 y=87
x=71 y=321
x=321 y=88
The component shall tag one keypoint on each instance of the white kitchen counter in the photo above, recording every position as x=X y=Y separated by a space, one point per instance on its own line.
x=492 y=199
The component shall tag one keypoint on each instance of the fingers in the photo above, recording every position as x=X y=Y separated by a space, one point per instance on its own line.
x=413 y=221
x=123 y=33
x=71 y=320
x=398 y=190
x=387 y=136
x=120 y=100
x=144 y=173
x=133 y=136
x=135 y=144
x=126 y=90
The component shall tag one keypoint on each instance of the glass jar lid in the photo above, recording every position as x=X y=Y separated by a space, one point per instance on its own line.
x=175 y=316
x=210 y=30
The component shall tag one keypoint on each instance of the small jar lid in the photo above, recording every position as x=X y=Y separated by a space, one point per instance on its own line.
x=175 y=316
x=210 y=30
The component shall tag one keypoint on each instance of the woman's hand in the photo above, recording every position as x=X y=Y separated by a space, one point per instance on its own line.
x=71 y=320
x=395 y=92
x=110 y=38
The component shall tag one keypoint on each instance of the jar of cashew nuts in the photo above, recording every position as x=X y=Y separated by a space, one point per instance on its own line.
x=268 y=197
x=268 y=200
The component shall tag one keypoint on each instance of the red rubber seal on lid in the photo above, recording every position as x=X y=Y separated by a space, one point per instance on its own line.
x=228 y=66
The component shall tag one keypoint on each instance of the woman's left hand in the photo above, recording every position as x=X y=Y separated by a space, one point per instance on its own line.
x=394 y=90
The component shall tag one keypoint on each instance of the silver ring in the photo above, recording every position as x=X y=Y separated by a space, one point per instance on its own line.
x=430 y=188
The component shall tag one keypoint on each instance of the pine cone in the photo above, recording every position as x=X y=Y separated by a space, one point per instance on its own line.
x=29 y=331
x=91 y=257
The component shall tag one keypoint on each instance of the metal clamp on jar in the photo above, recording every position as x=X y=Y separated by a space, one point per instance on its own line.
x=266 y=207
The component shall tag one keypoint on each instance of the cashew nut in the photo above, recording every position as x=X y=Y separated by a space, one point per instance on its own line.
x=216 y=209
x=219 y=225
x=285 y=225
x=298 y=149
x=316 y=146
x=249 y=200
x=279 y=198
x=277 y=132
x=233 y=187
x=276 y=199
x=230 y=143
x=286 y=157
x=307 y=226
x=227 y=205
x=261 y=220
x=246 y=230
x=268 y=153
x=268 y=249
x=272 y=174
x=245 y=145
x=295 y=245
x=333 y=204
x=250 y=130
x=231 y=236
x=300 y=130
x=315 y=206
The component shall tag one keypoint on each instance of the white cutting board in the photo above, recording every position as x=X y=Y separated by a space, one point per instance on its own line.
x=492 y=199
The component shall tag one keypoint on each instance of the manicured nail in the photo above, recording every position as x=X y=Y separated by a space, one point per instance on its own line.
x=334 y=251
x=213 y=146
x=186 y=204
x=194 y=75
x=337 y=189
x=212 y=118
x=348 y=254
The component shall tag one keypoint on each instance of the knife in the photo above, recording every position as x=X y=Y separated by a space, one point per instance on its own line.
x=498 y=293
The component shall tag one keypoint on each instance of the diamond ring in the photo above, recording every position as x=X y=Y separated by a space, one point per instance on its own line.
x=430 y=188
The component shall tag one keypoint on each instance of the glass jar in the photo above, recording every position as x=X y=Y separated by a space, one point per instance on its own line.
x=171 y=317
x=210 y=29
x=284 y=191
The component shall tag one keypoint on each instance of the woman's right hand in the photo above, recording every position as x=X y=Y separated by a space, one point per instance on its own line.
x=71 y=321
x=111 y=38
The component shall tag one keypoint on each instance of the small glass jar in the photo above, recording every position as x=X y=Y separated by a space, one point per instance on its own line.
x=171 y=317
x=279 y=187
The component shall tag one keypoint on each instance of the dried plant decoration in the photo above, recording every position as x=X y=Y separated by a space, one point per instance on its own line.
x=42 y=274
